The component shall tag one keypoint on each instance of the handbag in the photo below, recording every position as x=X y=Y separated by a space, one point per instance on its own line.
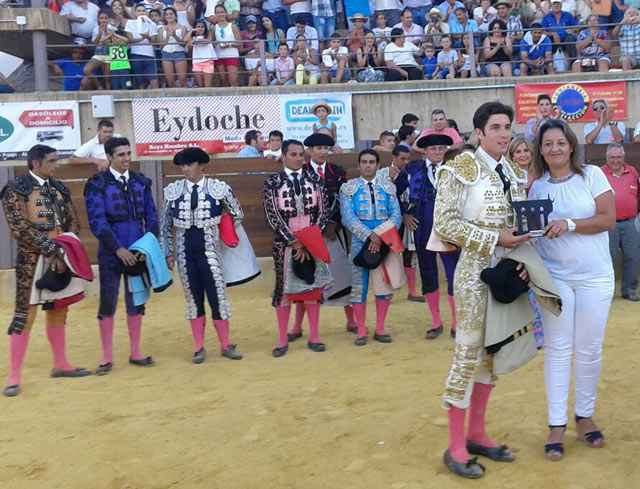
x=559 y=61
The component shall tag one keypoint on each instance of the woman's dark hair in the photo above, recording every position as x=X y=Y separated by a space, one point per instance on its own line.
x=503 y=26
x=369 y=152
x=396 y=32
x=220 y=5
x=453 y=124
x=204 y=22
x=485 y=111
x=540 y=166
x=175 y=12
x=38 y=153
x=104 y=11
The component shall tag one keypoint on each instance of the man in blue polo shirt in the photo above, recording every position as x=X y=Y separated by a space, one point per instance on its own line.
x=535 y=50
x=72 y=70
x=556 y=23
x=461 y=25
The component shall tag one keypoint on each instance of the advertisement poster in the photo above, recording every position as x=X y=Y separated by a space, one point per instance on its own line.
x=218 y=124
x=25 y=124
x=571 y=101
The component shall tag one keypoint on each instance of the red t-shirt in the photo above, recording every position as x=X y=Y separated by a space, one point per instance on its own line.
x=625 y=191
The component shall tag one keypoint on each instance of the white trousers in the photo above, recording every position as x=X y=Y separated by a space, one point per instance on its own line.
x=579 y=330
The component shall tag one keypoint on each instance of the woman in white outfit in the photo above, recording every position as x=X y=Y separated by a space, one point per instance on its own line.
x=575 y=249
x=226 y=36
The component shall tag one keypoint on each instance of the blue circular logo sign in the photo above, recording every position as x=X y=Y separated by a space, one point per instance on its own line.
x=570 y=102
x=6 y=129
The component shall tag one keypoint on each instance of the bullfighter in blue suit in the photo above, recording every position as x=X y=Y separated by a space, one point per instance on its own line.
x=419 y=177
x=366 y=203
x=120 y=210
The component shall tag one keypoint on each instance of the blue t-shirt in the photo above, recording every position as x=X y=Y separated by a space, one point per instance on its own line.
x=353 y=7
x=429 y=66
x=566 y=20
x=72 y=73
x=540 y=51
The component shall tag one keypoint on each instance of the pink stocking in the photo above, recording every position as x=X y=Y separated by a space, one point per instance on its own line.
x=477 y=415
x=313 y=314
x=134 y=324
x=457 y=441
x=222 y=328
x=382 y=306
x=452 y=304
x=197 y=330
x=351 y=319
x=411 y=280
x=433 y=299
x=360 y=311
x=57 y=339
x=297 y=322
x=17 y=350
x=106 y=338
x=283 y=313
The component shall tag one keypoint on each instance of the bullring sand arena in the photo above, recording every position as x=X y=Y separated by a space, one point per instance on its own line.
x=364 y=418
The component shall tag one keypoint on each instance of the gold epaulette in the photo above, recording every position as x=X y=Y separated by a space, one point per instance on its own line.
x=519 y=173
x=464 y=167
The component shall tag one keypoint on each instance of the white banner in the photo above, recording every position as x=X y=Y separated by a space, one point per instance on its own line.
x=25 y=124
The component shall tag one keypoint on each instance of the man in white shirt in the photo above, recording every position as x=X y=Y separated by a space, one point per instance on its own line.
x=93 y=150
x=335 y=58
x=82 y=17
x=141 y=32
x=399 y=56
x=302 y=29
x=412 y=31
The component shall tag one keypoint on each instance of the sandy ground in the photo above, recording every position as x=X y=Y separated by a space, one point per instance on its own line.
x=348 y=418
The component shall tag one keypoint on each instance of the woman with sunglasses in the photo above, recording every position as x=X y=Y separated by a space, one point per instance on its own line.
x=604 y=130
x=226 y=35
x=575 y=249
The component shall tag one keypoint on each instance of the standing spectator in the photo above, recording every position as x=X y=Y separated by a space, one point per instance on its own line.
x=119 y=15
x=406 y=136
x=514 y=25
x=353 y=7
x=382 y=31
x=460 y=26
x=628 y=33
x=604 y=130
x=386 y=142
x=324 y=18
x=300 y=10
x=248 y=9
x=412 y=32
x=570 y=6
x=171 y=37
x=275 y=10
x=448 y=8
x=254 y=145
x=355 y=37
x=583 y=212
x=70 y=69
x=335 y=61
x=226 y=34
x=561 y=37
x=302 y=29
x=412 y=120
x=400 y=57
x=232 y=7
x=497 y=51
x=248 y=35
x=275 y=146
x=272 y=34
x=370 y=61
x=390 y=9
x=141 y=32
x=185 y=13
x=535 y=52
x=448 y=61
x=203 y=55
x=610 y=12
x=623 y=179
x=593 y=46
x=284 y=67
x=543 y=115
x=306 y=59
x=83 y=18
x=419 y=9
x=93 y=150
x=440 y=126
x=484 y=14
x=436 y=28
x=101 y=35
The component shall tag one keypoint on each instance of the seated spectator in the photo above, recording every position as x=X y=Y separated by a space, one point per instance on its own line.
x=254 y=145
x=484 y=14
x=93 y=150
x=382 y=31
x=307 y=63
x=302 y=29
x=300 y=10
x=284 y=67
x=355 y=38
x=460 y=26
x=593 y=48
x=560 y=38
x=248 y=35
x=253 y=65
x=465 y=58
x=70 y=69
x=411 y=31
x=203 y=55
x=142 y=32
x=497 y=51
x=273 y=35
x=370 y=61
x=535 y=52
x=532 y=11
x=226 y=35
x=436 y=27
x=387 y=141
x=83 y=18
x=514 y=26
x=275 y=10
x=448 y=8
x=429 y=60
x=171 y=37
x=400 y=57
x=628 y=34
x=604 y=130
x=448 y=60
x=419 y=10
x=335 y=64
x=390 y=10
x=249 y=9
x=440 y=125
x=275 y=146
x=407 y=136
x=102 y=34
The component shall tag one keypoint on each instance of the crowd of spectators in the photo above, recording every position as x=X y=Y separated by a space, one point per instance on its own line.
x=152 y=43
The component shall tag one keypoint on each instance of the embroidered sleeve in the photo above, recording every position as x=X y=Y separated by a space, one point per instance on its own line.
x=325 y=207
x=349 y=218
x=395 y=213
x=447 y=218
x=275 y=222
x=232 y=205
x=166 y=232
x=94 y=204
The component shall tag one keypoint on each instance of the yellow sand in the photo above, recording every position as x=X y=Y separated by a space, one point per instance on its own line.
x=348 y=418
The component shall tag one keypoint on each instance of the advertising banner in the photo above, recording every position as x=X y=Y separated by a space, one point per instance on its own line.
x=571 y=101
x=25 y=124
x=218 y=124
